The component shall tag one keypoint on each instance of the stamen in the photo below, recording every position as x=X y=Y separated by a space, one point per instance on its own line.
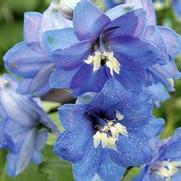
x=110 y=61
x=168 y=169
x=109 y=134
x=119 y=116
x=171 y=82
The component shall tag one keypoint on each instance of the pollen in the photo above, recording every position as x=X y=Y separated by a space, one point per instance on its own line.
x=168 y=169
x=101 y=58
x=108 y=135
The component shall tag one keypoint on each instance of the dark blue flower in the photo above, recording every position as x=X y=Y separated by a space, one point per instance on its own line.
x=29 y=59
x=99 y=47
x=108 y=132
x=166 y=163
x=24 y=127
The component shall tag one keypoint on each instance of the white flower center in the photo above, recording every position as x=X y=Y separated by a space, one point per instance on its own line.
x=168 y=169
x=108 y=58
x=109 y=134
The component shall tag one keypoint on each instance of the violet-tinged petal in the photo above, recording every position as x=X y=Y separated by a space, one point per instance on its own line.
x=39 y=143
x=118 y=11
x=16 y=163
x=31 y=22
x=148 y=6
x=42 y=78
x=24 y=88
x=24 y=60
x=172 y=41
x=135 y=25
x=142 y=52
x=153 y=35
x=14 y=104
x=88 y=21
x=52 y=20
x=86 y=80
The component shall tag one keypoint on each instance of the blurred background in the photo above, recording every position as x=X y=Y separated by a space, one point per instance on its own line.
x=52 y=169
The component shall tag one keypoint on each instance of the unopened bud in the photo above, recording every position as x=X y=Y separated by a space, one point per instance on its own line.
x=66 y=7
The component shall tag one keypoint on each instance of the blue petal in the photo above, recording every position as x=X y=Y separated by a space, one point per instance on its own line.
x=3 y=141
x=24 y=88
x=52 y=19
x=118 y=11
x=177 y=8
x=15 y=134
x=135 y=21
x=88 y=21
x=86 y=80
x=131 y=79
x=110 y=3
x=143 y=53
x=153 y=127
x=18 y=162
x=73 y=56
x=158 y=92
x=72 y=114
x=133 y=150
x=31 y=22
x=41 y=79
x=73 y=143
x=61 y=78
x=172 y=41
x=59 y=39
x=40 y=141
x=171 y=149
x=148 y=6
x=108 y=169
x=16 y=107
x=154 y=36
x=86 y=169
x=176 y=177
x=24 y=60
x=110 y=95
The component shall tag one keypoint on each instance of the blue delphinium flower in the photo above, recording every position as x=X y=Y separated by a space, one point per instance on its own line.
x=29 y=59
x=169 y=43
x=97 y=48
x=177 y=8
x=107 y=132
x=24 y=127
x=166 y=163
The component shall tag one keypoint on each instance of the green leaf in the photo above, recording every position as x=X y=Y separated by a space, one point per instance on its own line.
x=54 y=168
x=131 y=174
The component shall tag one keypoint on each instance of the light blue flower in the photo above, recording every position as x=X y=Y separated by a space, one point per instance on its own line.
x=29 y=59
x=24 y=127
x=166 y=163
x=107 y=133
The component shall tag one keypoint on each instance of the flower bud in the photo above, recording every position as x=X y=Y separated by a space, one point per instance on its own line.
x=66 y=7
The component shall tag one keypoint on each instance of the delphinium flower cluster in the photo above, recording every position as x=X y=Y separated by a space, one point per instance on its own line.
x=118 y=65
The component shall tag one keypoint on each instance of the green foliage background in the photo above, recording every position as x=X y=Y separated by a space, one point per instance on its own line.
x=53 y=169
